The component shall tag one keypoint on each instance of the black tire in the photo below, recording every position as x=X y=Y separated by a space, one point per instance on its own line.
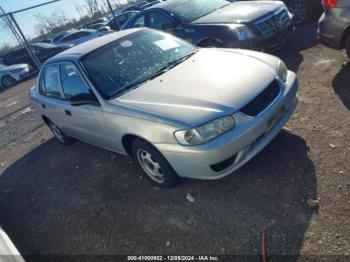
x=302 y=11
x=347 y=46
x=7 y=82
x=157 y=164
x=59 y=135
x=210 y=43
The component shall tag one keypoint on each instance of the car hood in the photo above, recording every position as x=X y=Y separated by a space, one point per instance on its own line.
x=210 y=84
x=239 y=12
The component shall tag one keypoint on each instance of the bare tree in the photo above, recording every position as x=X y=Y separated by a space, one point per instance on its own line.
x=5 y=48
x=50 y=23
x=92 y=7
x=80 y=10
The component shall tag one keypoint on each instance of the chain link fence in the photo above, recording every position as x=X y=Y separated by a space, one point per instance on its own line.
x=31 y=35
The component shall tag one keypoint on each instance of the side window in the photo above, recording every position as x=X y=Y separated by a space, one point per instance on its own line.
x=130 y=14
x=139 y=22
x=122 y=18
x=52 y=81
x=72 y=82
x=159 y=20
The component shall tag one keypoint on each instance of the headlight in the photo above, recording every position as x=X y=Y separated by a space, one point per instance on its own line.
x=282 y=71
x=242 y=32
x=204 y=133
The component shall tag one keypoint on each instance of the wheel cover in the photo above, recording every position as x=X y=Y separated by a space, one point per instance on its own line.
x=300 y=11
x=57 y=133
x=151 y=167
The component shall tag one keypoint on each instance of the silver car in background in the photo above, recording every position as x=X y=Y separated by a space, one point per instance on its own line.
x=9 y=75
x=178 y=110
x=80 y=36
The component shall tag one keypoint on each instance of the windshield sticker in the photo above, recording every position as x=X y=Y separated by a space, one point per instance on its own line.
x=126 y=43
x=166 y=44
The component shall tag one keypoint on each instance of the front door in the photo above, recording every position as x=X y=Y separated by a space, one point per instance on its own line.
x=84 y=122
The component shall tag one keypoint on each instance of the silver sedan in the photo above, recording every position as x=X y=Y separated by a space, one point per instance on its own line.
x=178 y=110
x=9 y=75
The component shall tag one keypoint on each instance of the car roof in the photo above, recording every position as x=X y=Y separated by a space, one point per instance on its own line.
x=166 y=5
x=82 y=49
x=78 y=31
x=83 y=30
x=61 y=33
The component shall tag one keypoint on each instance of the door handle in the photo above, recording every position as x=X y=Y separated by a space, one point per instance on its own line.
x=68 y=113
x=43 y=106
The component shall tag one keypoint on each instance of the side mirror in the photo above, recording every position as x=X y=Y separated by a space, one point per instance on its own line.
x=84 y=99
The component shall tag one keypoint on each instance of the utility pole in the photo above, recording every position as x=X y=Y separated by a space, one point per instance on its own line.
x=28 y=47
x=112 y=11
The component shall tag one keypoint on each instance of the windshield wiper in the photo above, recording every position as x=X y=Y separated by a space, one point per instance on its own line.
x=179 y=61
x=170 y=65
x=161 y=71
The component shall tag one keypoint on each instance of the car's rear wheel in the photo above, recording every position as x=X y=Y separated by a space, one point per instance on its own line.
x=347 y=46
x=59 y=135
x=154 y=165
x=7 y=81
x=301 y=9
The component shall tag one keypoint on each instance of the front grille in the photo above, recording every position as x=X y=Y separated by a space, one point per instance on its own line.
x=271 y=25
x=263 y=100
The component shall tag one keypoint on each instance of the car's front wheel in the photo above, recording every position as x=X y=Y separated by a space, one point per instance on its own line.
x=59 y=135
x=154 y=165
x=301 y=9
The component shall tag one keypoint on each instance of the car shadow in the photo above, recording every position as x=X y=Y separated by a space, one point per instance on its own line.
x=305 y=37
x=341 y=85
x=85 y=200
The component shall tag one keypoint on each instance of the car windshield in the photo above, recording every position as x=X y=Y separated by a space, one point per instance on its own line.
x=128 y=62
x=191 y=10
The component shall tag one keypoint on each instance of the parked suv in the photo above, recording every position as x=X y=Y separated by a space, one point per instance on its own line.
x=334 y=24
x=262 y=25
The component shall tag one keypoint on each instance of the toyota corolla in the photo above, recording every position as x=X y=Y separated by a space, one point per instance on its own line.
x=178 y=110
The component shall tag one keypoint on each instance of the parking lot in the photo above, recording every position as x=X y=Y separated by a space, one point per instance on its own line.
x=80 y=199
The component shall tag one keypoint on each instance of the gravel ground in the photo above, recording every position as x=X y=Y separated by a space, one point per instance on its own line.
x=84 y=200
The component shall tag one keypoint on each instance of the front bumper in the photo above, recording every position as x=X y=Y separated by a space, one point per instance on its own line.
x=330 y=31
x=267 y=44
x=248 y=138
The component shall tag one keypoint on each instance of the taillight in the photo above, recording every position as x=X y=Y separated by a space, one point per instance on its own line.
x=330 y=3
